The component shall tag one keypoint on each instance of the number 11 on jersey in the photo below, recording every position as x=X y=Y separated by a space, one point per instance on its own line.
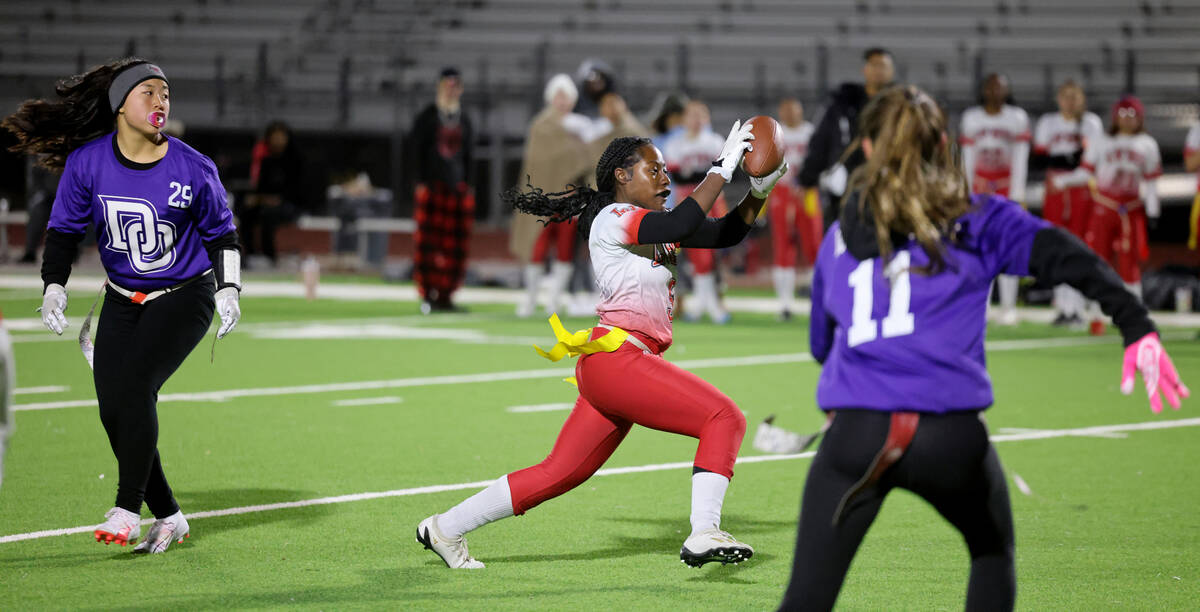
x=899 y=321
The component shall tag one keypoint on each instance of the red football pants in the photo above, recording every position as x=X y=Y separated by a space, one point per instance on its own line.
x=703 y=260
x=794 y=222
x=1110 y=232
x=619 y=389
x=562 y=235
x=1070 y=208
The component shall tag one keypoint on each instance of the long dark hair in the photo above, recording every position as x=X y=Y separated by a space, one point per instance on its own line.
x=578 y=201
x=52 y=129
x=912 y=182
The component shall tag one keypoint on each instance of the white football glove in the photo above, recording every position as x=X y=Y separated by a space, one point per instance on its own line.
x=54 y=302
x=735 y=147
x=229 y=310
x=761 y=187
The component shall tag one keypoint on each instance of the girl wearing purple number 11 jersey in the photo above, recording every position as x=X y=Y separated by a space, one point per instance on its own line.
x=898 y=321
x=168 y=244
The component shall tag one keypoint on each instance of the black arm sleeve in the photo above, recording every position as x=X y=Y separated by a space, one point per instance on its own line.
x=1059 y=257
x=664 y=227
x=1063 y=162
x=718 y=233
x=225 y=241
x=818 y=158
x=58 y=256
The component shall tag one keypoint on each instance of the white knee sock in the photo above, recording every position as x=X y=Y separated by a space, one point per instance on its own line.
x=1007 y=285
x=560 y=277
x=533 y=281
x=704 y=293
x=708 y=494
x=486 y=506
x=785 y=287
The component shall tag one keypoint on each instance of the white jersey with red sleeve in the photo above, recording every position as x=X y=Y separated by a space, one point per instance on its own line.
x=636 y=281
x=795 y=148
x=1191 y=145
x=689 y=157
x=1057 y=135
x=1122 y=163
x=996 y=150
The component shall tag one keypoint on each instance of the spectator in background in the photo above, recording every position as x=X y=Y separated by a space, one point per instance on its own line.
x=596 y=79
x=666 y=122
x=276 y=190
x=441 y=157
x=995 y=157
x=689 y=157
x=43 y=186
x=1058 y=144
x=838 y=127
x=1191 y=161
x=793 y=212
x=1125 y=166
x=555 y=156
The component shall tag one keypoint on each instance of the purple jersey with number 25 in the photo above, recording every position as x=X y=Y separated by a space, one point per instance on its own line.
x=150 y=223
x=914 y=342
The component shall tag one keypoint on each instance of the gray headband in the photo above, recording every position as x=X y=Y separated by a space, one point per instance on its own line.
x=129 y=78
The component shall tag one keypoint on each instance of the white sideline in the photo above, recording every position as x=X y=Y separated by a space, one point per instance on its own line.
x=654 y=467
x=487 y=377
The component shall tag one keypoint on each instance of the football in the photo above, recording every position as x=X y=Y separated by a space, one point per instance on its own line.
x=768 y=147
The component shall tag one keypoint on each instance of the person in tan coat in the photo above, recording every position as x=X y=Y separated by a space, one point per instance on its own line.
x=556 y=155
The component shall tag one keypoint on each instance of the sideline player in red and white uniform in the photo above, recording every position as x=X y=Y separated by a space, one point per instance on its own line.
x=1125 y=165
x=794 y=213
x=1059 y=141
x=995 y=151
x=621 y=374
x=689 y=155
x=1191 y=162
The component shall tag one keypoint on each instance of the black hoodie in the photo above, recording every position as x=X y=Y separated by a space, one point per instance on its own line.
x=836 y=130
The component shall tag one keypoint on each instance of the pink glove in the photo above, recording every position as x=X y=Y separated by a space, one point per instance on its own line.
x=1148 y=356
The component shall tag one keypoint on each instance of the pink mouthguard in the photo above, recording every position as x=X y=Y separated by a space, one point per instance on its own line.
x=157 y=119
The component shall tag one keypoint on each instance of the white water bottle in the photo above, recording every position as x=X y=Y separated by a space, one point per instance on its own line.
x=310 y=271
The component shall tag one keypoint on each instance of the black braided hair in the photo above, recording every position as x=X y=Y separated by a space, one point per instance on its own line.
x=579 y=201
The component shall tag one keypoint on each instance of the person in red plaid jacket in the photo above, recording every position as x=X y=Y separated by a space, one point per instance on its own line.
x=441 y=157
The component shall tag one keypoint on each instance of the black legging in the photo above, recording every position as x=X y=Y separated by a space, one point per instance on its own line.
x=138 y=347
x=950 y=463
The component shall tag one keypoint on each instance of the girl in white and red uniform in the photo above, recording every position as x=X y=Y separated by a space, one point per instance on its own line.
x=1059 y=141
x=622 y=376
x=794 y=212
x=689 y=156
x=1125 y=166
x=995 y=154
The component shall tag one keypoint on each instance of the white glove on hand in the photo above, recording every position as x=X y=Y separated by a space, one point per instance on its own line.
x=229 y=310
x=735 y=147
x=54 y=302
x=761 y=187
x=834 y=180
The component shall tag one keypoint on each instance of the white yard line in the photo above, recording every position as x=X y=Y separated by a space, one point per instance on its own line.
x=1021 y=430
x=46 y=389
x=369 y=401
x=489 y=377
x=541 y=407
x=654 y=467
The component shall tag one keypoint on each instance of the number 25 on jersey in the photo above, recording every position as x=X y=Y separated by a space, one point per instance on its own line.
x=899 y=321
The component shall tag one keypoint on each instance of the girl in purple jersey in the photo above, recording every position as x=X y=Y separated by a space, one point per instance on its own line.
x=898 y=322
x=170 y=249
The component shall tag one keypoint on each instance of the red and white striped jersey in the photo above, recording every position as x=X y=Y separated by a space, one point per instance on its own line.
x=1057 y=135
x=689 y=157
x=1121 y=163
x=1191 y=145
x=795 y=148
x=636 y=281
x=996 y=150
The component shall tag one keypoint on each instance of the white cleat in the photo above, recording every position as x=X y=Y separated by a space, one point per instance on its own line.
x=122 y=527
x=174 y=528
x=452 y=551
x=712 y=544
x=1008 y=317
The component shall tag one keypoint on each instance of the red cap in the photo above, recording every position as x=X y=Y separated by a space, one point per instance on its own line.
x=1129 y=101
